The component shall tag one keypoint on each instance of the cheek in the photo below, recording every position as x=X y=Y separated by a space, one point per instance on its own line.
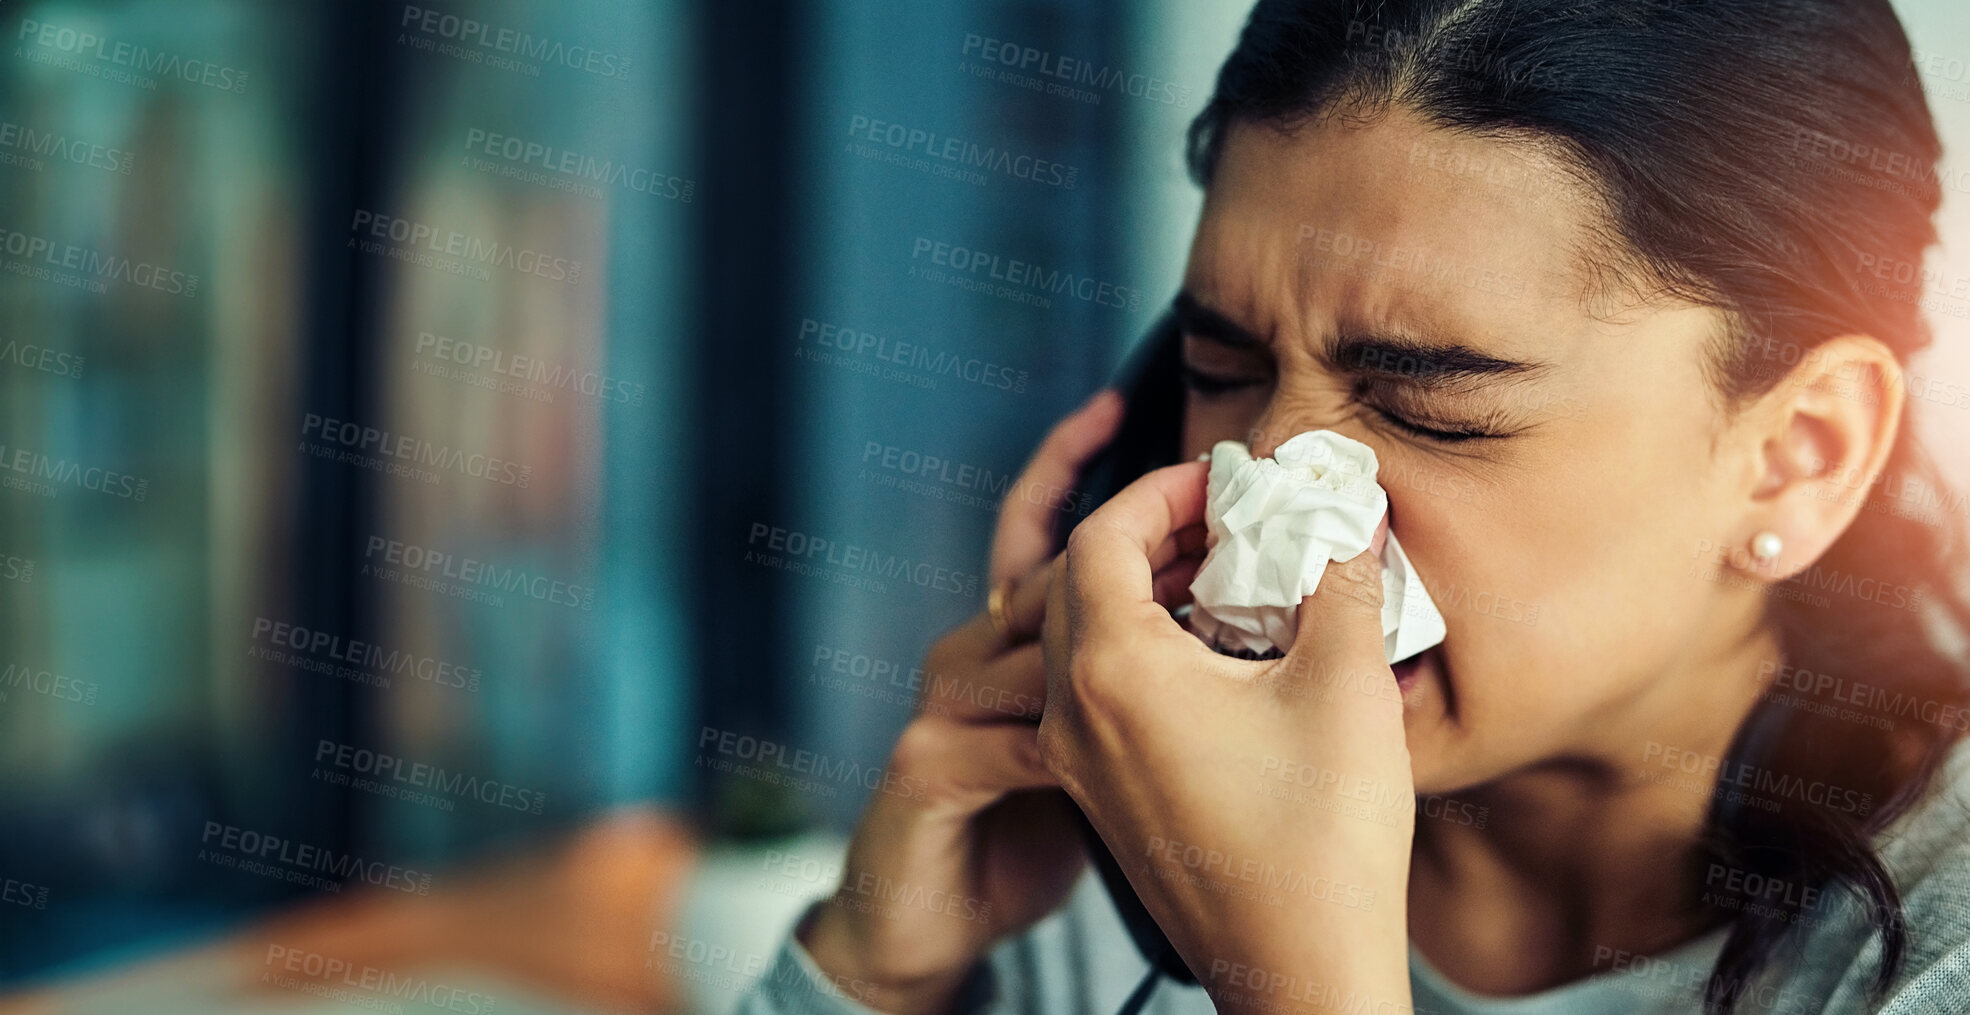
x=1564 y=578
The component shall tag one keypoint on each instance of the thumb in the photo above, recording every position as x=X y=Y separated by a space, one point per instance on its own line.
x=1340 y=624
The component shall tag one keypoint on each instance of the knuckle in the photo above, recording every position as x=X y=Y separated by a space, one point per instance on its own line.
x=1056 y=746
x=1357 y=581
x=1077 y=543
x=1094 y=675
x=923 y=755
x=1015 y=493
x=942 y=654
x=919 y=748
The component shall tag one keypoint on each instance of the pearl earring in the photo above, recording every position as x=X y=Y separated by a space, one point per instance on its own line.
x=1766 y=546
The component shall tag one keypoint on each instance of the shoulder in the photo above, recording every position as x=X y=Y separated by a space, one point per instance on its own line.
x=1927 y=853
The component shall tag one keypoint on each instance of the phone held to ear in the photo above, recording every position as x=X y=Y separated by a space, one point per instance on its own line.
x=1150 y=436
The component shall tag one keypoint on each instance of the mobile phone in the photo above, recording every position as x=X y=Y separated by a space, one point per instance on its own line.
x=1150 y=436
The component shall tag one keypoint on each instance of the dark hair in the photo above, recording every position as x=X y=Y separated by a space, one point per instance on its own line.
x=1773 y=159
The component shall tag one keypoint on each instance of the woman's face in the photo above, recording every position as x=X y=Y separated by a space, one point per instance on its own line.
x=1553 y=460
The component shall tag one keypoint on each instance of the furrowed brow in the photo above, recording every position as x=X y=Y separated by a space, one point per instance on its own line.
x=1194 y=318
x=1428 y=363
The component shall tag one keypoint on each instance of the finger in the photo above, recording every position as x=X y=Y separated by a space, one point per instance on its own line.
x=1024 y=609
x=1177 y=562
x=1173 y=581
x=1024 y=536
x=970 y=766
x=1026 y=604
x=975 y=639
x=1184 y=542
x=1340 y=624
x=1109 y=576
x=1013 y=686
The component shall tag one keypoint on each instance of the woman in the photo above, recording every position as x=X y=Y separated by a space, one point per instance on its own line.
x=1620 y=292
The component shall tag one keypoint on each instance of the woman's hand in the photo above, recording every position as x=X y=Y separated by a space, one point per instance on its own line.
x=982 y=857
x=1262 y=810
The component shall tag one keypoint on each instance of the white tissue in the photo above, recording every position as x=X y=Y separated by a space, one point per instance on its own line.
x=1274 y=523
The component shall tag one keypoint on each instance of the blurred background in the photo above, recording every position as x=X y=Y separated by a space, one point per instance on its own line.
x=409 y=414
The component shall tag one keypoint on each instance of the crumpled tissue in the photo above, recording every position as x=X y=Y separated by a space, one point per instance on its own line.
x=1274 y=523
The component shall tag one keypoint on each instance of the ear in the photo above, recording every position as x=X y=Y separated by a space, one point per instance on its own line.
x=1826 y=430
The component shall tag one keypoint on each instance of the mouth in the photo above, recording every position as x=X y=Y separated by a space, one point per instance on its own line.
x=1410 y=673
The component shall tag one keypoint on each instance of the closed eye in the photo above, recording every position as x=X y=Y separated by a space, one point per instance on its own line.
x=1419 y=417
x=1207 y=385
x=1454 y=436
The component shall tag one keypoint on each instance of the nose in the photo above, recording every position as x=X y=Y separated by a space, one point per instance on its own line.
x=1281 y=423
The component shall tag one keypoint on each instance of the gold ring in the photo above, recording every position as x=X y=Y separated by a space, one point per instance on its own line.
x=995 y=607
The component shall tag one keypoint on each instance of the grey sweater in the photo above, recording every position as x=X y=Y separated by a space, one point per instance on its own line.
x=1079 y=961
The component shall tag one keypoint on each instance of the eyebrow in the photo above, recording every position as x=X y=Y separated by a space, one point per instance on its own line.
x=1428 y=362
x=1194 y=318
